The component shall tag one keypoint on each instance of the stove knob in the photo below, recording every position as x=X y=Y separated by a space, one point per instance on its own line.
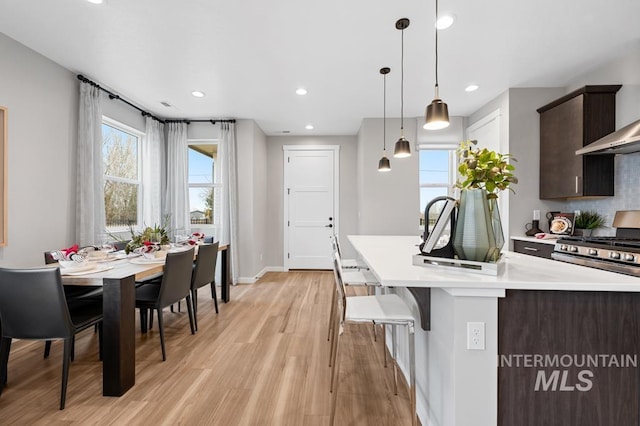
x=593 y=252
x=614 y=255
x=629 y=257
x=563 y=247
x=573 y=249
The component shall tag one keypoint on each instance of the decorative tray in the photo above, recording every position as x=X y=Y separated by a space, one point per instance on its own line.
x=484 y=268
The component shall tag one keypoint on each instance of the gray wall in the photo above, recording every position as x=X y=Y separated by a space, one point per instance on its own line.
x=275 y=192
x=42 y=102
x=388 y=203
x=252 y=199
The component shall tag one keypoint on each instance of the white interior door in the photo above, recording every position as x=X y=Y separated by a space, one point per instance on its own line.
x=310 y=206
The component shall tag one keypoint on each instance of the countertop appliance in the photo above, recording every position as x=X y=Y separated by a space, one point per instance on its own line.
x=620 y=253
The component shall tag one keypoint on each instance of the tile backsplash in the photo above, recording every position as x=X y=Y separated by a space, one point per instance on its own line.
x=627 y=190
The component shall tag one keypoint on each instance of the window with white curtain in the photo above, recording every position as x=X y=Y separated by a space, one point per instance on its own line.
x=204 y=184
x=437 y=175
x=121 y=147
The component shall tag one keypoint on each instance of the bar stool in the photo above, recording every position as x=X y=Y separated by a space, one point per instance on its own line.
x=383 y=309
x=346 y=263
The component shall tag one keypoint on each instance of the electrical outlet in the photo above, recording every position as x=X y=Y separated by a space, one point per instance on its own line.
x=475 y=336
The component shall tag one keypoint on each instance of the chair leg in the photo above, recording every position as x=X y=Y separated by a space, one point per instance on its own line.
x=99 y=325
x=47 y=348
x=375 y=335
x=191 y=316
x=73 y=349
x=143 y=320
x=66 y=358
x=384 y=344
x=334 y=349
x=5 y=347
x=394 y=342
x=334 y=379
x=412 y=372
x=161 y=327
x=150 y=319
x=214 y=296
x=194 y=297
x=332 y=314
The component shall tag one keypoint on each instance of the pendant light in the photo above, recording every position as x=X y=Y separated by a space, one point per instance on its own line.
x=402 y=148
x=384 y=165
x=437 y=114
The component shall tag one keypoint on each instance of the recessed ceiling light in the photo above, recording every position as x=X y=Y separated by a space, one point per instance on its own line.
x=198 y=94
x=301 y=91
x=445 y=21
x=471 y=88
x=309 y=127
x=95 y=1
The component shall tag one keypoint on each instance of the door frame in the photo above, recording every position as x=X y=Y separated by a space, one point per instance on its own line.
x=287 y=149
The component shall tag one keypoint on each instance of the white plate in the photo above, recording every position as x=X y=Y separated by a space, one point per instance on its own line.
x=84 y=266
x=145 y=261
x=94 y=268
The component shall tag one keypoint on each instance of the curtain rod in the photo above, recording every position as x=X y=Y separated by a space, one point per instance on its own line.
x=146 y=113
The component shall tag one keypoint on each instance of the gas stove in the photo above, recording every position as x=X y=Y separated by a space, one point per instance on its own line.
x=616 y=254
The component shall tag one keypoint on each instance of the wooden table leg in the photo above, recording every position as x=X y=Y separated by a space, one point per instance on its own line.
x=119 y=351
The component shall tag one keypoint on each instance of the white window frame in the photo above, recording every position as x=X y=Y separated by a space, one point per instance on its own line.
x=217 y=185
x=140 y=135
x=453 y=168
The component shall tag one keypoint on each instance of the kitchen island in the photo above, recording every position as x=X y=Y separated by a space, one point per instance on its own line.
x=541 y=318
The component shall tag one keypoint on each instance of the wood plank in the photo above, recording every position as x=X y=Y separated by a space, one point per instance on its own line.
x=263 y=360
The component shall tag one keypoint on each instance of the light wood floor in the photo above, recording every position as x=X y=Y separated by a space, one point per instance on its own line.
x=262 y=361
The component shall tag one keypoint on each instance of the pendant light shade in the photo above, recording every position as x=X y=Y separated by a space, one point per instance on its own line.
x=402 y=148
x=384 y=165
x=437 y=113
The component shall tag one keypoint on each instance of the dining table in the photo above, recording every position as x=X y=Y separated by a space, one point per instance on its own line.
x=117 y=277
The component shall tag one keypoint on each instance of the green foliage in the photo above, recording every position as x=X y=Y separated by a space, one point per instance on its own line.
x=589 y=219
x=154 y=234
x=484 y=169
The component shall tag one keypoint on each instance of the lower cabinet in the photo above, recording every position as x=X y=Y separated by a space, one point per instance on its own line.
x=534 y=249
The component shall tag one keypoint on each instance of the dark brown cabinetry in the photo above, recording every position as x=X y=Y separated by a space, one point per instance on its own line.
x=533 y=249
x=568 y=124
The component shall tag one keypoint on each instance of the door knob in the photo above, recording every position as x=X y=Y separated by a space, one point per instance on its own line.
x=330 y=218
x=329 y=225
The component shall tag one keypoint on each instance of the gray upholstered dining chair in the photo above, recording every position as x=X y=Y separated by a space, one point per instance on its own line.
x=33 y=307
x=175 y=286
x=204 y=273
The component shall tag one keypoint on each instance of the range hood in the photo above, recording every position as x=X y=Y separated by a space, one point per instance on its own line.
x=623 y=141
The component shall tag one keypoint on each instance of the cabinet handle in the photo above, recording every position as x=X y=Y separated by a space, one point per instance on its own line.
x=530 y=248
x=576 y=184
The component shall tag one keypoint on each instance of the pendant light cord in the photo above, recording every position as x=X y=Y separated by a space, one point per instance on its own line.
x=384 y=114
x=402 y=83
x=437 y=94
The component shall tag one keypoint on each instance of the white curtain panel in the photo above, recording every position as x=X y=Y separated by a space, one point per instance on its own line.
x=229 y=236
x=152 y=147
x=177 y=197
x=90 y=214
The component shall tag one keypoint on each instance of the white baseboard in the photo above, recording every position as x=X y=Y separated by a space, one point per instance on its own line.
x=251 y=280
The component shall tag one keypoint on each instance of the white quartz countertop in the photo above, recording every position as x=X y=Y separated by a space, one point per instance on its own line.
x=550 y=241
x=390 y=259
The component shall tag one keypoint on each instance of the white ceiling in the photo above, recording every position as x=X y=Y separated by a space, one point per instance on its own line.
x=249 y=56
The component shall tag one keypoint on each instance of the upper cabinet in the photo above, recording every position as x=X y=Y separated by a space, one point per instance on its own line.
x=568 y=124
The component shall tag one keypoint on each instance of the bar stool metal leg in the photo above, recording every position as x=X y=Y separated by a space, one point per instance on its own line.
x=394 y=342
x=412 y=372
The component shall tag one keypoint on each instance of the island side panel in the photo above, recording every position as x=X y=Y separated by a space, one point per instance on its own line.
x=593 y=380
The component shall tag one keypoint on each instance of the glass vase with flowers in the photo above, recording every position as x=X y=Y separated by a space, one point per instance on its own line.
x=483 y=174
